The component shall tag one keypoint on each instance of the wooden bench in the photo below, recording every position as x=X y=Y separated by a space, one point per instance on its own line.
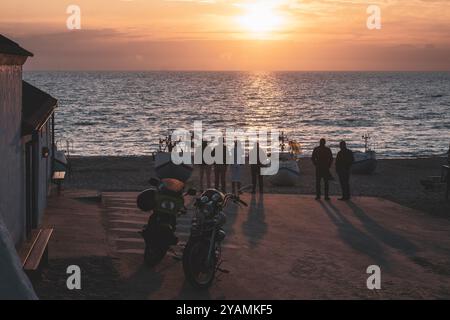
x=37 y=255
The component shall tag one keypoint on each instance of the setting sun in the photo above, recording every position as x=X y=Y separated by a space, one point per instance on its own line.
x=260 y=18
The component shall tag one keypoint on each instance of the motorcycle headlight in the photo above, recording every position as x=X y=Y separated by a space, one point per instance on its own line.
x=168 y=205
x=215 y=197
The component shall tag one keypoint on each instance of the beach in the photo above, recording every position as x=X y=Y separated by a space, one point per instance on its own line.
x=397 y=180
x=299 y=247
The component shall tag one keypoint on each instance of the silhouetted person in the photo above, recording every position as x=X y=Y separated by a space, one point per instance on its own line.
x=170 y=144
x=236 y=170
x=322 y=159
x=256 y=172
x=220 y=170
x=205 y=169
x=448 y=155
x=344 y=161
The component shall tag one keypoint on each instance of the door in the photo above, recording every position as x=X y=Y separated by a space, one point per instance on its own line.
x=31 y=172
x=29 y=188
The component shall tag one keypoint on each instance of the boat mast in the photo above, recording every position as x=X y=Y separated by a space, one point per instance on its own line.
x=366 y=138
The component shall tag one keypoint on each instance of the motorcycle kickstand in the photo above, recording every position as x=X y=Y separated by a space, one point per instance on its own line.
x=218 y=268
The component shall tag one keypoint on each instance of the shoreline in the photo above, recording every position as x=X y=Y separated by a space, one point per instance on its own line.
x=302 y=157
x=397 y=180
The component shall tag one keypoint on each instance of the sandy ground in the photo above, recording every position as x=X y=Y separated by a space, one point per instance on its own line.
x=396 y=180
x=280 y=247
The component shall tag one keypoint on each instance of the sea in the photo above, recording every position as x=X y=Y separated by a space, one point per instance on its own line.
x=406 y=114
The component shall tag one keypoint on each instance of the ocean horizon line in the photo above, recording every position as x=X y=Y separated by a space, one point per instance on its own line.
x=242 y=71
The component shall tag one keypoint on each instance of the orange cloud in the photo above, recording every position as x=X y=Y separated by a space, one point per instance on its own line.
x=298 y=34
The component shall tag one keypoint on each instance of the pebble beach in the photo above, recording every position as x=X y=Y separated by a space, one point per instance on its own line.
x=395 y=179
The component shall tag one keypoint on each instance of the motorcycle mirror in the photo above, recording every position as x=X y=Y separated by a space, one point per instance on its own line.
x=153 y=182
x=191 y=192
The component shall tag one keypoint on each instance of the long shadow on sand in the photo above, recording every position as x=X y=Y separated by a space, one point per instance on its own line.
x=231 y=212
x=355 y=238
x=388 y=237
x=255 y=227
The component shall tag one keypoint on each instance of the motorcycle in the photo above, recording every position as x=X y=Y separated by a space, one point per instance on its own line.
x=166 y=201
x=202 y=254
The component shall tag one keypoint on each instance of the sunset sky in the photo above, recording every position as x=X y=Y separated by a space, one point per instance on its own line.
x=231 y=35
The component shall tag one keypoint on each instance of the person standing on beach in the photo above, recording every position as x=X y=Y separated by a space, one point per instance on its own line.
x=344 y=161
x=255 y=169
x=205 y=169
x=236 y=172
x=448 y=155
x=220 y=169
x=322 y=159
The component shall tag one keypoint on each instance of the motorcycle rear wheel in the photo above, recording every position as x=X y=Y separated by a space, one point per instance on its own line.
x=197 y=273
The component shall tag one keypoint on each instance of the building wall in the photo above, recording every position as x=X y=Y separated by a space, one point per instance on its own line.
x=12 y=180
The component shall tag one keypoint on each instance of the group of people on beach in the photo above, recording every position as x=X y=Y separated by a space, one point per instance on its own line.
x=322 y=158
x=220 y=172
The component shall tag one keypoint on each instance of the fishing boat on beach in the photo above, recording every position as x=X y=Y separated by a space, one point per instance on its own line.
x=289 y=172
x=164 y=167
x=365 y=162
x=60 y=163
x=61 y=156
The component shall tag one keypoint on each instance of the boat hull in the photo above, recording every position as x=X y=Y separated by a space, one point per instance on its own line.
x=60 y=161
x=288 y=174
x=365 y=163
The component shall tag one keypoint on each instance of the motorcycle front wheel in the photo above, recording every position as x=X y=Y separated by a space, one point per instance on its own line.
x=197 y=271
x=153 y=256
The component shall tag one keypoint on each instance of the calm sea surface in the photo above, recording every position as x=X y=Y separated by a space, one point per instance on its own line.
x=125 y=113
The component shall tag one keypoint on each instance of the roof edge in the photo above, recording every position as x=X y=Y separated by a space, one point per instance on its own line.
x=8 y=46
